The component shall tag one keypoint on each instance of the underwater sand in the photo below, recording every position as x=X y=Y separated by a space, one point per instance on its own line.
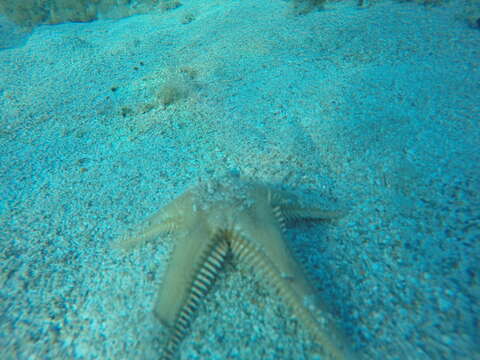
x=376 y=109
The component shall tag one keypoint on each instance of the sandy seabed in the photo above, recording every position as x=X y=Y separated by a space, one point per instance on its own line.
x=375 y=109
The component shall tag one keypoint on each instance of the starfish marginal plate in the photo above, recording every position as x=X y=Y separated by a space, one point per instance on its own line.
x=229 y=215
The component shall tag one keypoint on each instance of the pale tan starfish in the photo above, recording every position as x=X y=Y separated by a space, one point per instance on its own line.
x=247 y=219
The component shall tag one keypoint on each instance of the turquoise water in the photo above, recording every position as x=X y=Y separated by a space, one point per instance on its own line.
x=373 y=109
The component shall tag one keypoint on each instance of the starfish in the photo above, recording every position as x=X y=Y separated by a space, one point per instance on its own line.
x=230 y=215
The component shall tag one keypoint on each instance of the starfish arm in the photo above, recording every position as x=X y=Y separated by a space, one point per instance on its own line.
x=188 y=254
x=264 y=225
x=168 y=219
x=197 y=259
x=292 y=209
x=289 y=282
x=258 y=242
x=157 y=224
x=294 y=213
x=128 y=242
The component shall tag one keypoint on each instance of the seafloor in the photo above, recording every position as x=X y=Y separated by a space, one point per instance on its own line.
x=375 y=109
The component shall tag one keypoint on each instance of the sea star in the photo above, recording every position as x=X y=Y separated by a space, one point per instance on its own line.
x=246 y=219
